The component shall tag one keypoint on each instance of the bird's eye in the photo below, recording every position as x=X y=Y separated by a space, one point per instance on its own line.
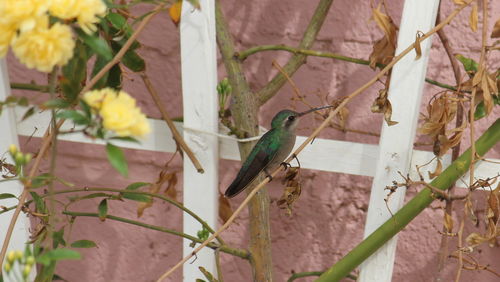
x=291 y=118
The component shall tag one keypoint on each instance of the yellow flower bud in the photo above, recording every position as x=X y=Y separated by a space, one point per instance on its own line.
x=18 y=255
x=11 y=256
x=30 y=260
x=7 y=267
x=19 y=158
x=27 y=158
x=12 y=149
x=26 y=271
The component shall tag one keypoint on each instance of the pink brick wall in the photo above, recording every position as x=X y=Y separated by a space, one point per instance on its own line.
x=329 y=218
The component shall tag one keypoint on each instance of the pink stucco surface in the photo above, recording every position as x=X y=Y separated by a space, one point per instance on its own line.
x=328 y=219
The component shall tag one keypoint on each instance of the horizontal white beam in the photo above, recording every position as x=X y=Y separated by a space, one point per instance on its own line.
x=323 y=154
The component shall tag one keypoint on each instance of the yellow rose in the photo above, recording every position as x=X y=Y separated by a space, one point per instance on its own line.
x=119 y=114
x=43 y=48
x=141 y=127
x=64 y=9
x=7 y=32
x=95 y=98
x=22 y=13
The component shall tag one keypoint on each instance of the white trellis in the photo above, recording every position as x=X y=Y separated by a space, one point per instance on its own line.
x=200 y=111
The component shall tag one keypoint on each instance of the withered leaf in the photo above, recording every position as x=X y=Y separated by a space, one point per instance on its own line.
x=383 y=105
x=475 y=239
x=382 y=53
x=496 y=30
x=292 y=190
x=385 y=23
x=493 y=204
x=473 y=18
x=437 y=171
x=459 y=2
x=175 y=12
x=225 y=210
x=418 y=48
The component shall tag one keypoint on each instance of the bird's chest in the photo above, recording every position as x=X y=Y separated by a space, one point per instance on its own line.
x=288 y=141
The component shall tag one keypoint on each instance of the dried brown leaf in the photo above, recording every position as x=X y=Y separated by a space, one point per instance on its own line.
x=470 y=212
x=385 y=23
x=418 y=48
x=496 y=30
x=475 y=239
x=382 y=52
x=437 y=171
x=383 y=105
x=459 y=2
x=493 y=204
x=487 y=98
x=175 y=12
x=473 y=18
x=225 y=210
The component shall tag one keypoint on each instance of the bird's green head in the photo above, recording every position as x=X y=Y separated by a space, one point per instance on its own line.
x=289 y=119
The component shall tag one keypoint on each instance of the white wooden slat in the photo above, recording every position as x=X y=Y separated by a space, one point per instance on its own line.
x=200 y=105
x=396 y=142
x=8 y=135
x=348 y=157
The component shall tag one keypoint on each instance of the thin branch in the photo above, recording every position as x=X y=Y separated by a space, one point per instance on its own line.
x=244 y=54
x=175 y=133
x=297 y=60
x=311 y=137
x=29 y=86
x=223 y=248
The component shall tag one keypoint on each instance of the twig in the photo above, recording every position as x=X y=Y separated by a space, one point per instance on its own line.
x=311 y=137
x=46 y=140
x=244 y=54
x=477 y=266
x=268 y=91
x=175 y=134
x=30 y=86
x=223 y=248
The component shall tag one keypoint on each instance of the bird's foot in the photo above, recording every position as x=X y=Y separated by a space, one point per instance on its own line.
x=268 y=175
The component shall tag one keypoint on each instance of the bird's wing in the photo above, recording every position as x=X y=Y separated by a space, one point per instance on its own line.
x=260 y=156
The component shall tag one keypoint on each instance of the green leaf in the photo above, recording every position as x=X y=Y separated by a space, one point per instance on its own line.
x=117 y=20
x=117 y=158
x=75 y=116
x=56 y=255
x=86 y=109
x=480 y=111
x=103 y=209
x=137 y=185
x=28 y=113
x=74 y=72
x=23 y=102
x=115 y=77
x=470 y=65
x=41 y=180
x=97 y=44
x=56 y=104
x=100 y=62
x=83 y=244
x=137 y=197
x=58 y=238
x=39 y=203
x=133 y=61
x=7 y=196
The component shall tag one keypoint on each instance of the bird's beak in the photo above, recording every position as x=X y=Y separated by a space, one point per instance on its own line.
x=314 y=109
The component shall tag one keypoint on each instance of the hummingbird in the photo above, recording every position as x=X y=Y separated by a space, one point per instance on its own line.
x=270 y=151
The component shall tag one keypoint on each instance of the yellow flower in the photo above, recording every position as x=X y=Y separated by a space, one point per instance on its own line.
x=85 y=11
x=95 y=98
x=22 y=13
x=118 y=111
x=43 y=48
x=7 y=32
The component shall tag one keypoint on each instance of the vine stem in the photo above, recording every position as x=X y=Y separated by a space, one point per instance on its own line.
x=47 y=137
x=166 y=117
x=324 y=124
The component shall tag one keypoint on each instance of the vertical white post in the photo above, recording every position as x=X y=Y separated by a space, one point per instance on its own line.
x=20 y=234
x=396 y=142
x=199 y=81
